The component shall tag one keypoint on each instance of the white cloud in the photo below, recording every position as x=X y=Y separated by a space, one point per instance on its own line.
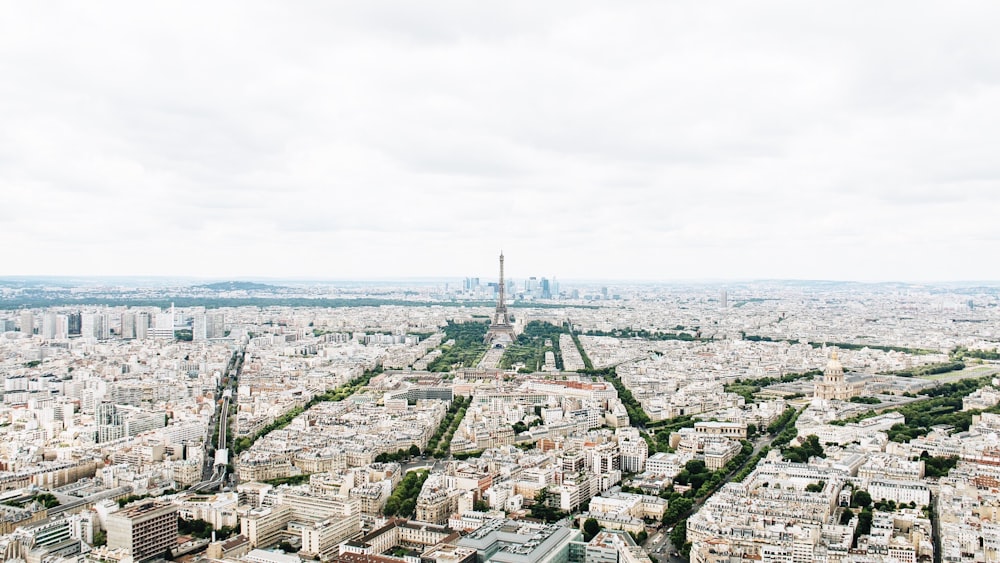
x=647 y=140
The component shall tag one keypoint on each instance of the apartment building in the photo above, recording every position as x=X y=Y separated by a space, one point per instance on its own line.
x=146 y=529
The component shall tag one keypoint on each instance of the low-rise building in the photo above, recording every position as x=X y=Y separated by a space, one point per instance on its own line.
x=511 y=541
x=901 y=492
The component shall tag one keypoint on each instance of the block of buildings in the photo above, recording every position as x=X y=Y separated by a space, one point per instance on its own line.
x=146 y=529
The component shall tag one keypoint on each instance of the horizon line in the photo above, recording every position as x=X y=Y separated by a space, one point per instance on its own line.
x=447 y=279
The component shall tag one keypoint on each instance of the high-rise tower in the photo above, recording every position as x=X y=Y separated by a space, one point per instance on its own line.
x=500 y=332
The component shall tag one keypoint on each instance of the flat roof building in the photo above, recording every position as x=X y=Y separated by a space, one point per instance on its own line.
x=510 y=541
x=147 y=530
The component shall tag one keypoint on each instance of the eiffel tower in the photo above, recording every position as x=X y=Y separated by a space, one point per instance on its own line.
x=501 y=332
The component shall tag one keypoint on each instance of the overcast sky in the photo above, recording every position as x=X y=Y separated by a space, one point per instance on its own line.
x=653 y=141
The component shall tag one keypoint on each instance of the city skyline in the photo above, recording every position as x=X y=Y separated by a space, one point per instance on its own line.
x=300 y=426
x=458 y=282
x=621 y=143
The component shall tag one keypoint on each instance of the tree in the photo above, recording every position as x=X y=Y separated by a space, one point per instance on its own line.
x=864 y=523
x=542 y=508
x=845 y=516
x=47 y=500
x=679 y=534
x=590 y=529
x=198 y=528
x=414 y=450
x=861 y=498
x=403 y=500
x=286 y=547
x=885 y=505
x=695 y=466
x=938 y=466
x=815 y=487
x=801 y=454
x=676 y=509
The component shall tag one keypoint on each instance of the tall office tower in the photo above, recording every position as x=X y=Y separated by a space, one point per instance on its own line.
x=471 y=285
x=142 y=325
x=164 y=326
x=724 y=299
x=147 y=529
x=48 y=331
x=215 y=325
x=554 y=288
x=531 y=284
x=62 y=327
x=75 y=323
x=27 y=322
x=89 y=325
x=199 y=328
x=95 y=325
x=104 y=327
x=546 y=289
x=127 y=328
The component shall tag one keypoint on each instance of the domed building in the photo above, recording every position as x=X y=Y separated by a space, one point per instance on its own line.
x=833 y=386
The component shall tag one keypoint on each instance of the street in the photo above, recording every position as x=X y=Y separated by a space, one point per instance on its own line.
x=659 y=547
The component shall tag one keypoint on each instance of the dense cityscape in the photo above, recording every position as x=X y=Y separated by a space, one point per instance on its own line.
x=505 y=420
x=499 y=282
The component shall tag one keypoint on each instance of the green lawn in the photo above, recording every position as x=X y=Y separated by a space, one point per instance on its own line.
x=978 y=371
